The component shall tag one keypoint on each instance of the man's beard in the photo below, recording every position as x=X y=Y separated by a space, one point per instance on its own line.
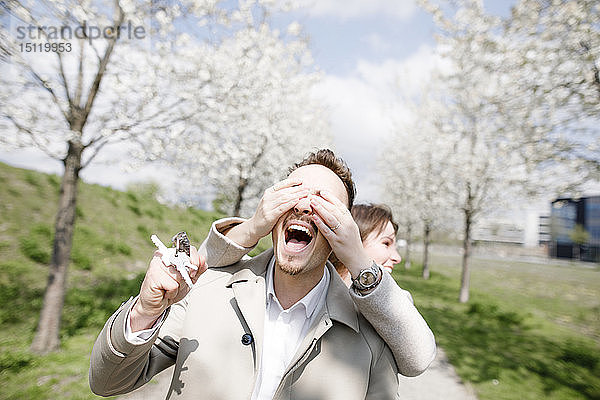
x=289 y=268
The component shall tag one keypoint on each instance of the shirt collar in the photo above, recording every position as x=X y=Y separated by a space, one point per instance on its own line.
x=312 y=298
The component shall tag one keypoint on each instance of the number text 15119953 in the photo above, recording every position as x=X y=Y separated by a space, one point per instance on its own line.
x=29 y=47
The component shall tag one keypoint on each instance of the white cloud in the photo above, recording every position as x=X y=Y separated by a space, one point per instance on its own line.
x=349 y=9
x=363 y=106
x=409 y=74
x=377 y=43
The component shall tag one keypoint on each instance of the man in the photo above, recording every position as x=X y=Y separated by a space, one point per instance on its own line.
x=279 y=326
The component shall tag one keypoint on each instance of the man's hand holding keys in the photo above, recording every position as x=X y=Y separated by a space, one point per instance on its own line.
x=163 y=286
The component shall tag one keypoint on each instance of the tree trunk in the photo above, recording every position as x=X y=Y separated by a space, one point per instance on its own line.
x=239 y=198
x=466 y=273
x=47 y=335
x=243 y=182
x=576 y=253
x=408 y=240
x=426 y=241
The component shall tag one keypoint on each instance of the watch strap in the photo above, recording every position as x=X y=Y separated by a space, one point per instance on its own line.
x=362 y=289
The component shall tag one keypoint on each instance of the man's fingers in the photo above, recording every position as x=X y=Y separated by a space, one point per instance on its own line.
x=283 y=201
x=199 y=261
x=156 y=262
x=171 y=289
x=195 y=274
x=195 y=257
x=294 y=191
x=157 y=254
x=174 y=274
x=162 y=281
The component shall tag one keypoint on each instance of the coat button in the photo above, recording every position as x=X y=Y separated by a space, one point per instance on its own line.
x=247 y=339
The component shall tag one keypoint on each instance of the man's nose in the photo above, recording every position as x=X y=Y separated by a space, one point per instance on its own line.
x=303 y=206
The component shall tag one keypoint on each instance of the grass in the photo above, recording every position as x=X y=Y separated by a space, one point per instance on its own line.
x=529 y=331
x=111 y=247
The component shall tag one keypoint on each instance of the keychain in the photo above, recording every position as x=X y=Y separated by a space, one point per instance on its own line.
x=177 y=256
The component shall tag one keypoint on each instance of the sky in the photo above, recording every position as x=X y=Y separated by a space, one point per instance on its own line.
x=361 y=47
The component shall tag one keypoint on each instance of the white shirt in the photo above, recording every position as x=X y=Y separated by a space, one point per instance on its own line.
x=284 y=330
x=141 y=337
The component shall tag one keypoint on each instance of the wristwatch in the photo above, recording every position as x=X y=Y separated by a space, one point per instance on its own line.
x=368 y=278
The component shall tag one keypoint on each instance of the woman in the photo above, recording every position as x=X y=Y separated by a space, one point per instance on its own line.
x=378 y=235
x=388 y=308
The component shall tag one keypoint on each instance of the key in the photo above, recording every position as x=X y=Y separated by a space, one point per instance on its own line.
x=178 y=256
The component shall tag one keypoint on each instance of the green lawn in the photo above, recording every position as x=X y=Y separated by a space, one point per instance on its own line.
x=529 y=331
x=110 y=253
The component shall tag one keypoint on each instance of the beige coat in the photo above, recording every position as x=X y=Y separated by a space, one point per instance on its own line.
x=388 y=308
x=342 y=357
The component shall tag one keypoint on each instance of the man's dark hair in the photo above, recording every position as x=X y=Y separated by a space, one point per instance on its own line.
x=327 y=158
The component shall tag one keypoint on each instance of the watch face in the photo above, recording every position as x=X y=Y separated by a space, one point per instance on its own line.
x=367 y=278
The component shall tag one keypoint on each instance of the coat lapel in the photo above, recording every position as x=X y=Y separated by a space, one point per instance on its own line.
x=338 y=307
x=249 y=290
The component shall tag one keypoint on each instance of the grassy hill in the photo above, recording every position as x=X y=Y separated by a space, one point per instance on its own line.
x=111 y=249
x=530 y=331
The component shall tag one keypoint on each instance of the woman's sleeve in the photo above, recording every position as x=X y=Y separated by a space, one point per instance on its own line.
x=218 y=249
x=392 y=313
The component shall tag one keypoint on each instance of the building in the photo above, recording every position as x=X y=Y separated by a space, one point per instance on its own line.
x=575 y=228
x=499 y=232
x=544 y=233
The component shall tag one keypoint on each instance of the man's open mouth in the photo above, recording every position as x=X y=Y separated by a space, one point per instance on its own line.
x=298 y=236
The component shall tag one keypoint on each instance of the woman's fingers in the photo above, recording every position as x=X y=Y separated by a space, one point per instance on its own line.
x=327 y=195
x=326 y=214
x=323 y=227
x=287 y=194
x=286 y=183
x=283 y=200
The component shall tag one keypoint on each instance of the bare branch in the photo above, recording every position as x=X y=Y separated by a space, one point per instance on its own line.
x=79 y=89
x=64 y=78
x=44 y=84
x=95 y=152
x=103 y=64
x=34 y=138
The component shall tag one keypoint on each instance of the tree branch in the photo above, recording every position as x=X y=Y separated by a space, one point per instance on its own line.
x=48 y=88
x=33 y=137
x=64 y=78
x=103 y=64
x=96 y=150
x=79 y=89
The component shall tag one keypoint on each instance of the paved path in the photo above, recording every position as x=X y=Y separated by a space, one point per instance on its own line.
x=439 y=382
x=156 y=389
